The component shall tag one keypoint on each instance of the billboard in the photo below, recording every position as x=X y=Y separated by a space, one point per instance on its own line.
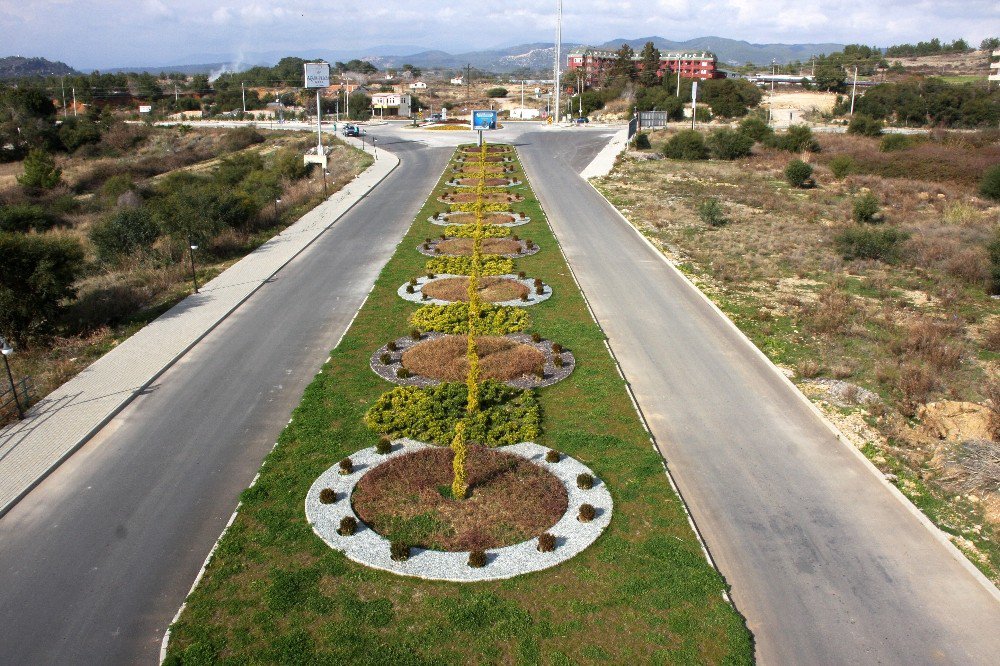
x=317 y=74
x=145 y=108
x=484 y=120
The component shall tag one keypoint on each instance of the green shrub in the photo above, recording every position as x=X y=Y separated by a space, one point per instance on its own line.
x=863 y=125
x=384 y=446
x=727 y=144
x=712 y=212
x=37 y=274
x=327 y=496
x=127 y=232
x=893 y=142
x=797 y=139
x=552 y=456
x=686 y=145
x=469 y=230
x=584 y=481
x=842 y=166
x=348 y=526
x=403 y=373
x=989 y=186
x=40 y=171
x=587 y=513
x=798 y=173
x=454 y=318
x=288 y=164
x=76 y=132
x=866 y=208
x=756 y=129
x=993 y=249
x=242 y=137
x=26 y=217
x=399 y=551
x=115 y=186
x=497 y=92
x=477 y=559
x=871 y=243
x=346 y=466
x=491 y=264
x=642 y=141
x=546 y=543
x=506 y=415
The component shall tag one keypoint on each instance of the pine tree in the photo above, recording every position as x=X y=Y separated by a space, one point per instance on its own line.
x=650 y=59
x=624 y=68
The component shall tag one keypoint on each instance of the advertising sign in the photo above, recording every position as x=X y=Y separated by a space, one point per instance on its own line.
x=317 y=74
x=145 y=108
x=484 y=120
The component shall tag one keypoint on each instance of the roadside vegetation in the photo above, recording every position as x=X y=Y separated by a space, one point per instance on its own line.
x=866 y=271
x=274 y=592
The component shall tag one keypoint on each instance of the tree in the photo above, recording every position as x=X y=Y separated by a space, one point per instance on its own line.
x=650 y=59
x=624 y=66
x=989 y=44
x=40 y=171
x=730 y=98
x=36 y=275
x=497 y=92
x=829 y=76
x=798 y=173
x=865 y=126
x=127 y=232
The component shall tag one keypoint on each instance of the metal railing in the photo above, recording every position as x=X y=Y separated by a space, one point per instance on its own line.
x=8 y=403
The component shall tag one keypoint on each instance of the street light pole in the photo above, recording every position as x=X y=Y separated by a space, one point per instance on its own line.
x=194 y=276
x=7 y=350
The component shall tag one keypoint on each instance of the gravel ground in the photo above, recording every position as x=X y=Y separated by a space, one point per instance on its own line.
x=417 y=295
x=371 y=549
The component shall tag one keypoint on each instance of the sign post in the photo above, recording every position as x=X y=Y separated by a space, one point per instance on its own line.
x=317 y=75
x=484 y=120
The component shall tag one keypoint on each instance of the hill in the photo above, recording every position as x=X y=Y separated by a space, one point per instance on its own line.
x=733 y=51
x=14 y=67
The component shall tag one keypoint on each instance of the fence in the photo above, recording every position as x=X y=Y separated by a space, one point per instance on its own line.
x=653 y=119
x=8 y=404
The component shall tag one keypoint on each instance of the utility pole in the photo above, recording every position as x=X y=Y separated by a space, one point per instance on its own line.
x=854 y=89
x=579 y=91
x=522 y=99
x=694 y=103
x=63 y=84
x=319 y=131
x=770 y=100
x=176 y=94
x=678 y=76
x=74 y=102
x=243 y=89
x=558 y=65
x=468 y=85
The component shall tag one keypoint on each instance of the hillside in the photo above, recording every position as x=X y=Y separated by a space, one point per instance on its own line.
x=14 y=67
x=732 y=51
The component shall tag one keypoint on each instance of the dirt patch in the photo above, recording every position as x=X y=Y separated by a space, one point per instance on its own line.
x=463 y=246
x=491 y=289
x=510 y=500
x=445 y=359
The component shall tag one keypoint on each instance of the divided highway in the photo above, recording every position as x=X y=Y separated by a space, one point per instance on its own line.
x=95 y=561
x=825 y=563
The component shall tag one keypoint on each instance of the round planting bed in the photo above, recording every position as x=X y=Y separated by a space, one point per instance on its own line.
x=462 y=247
x=487 y=197
x=504 y=219
x=445 y=288
x=489 y=182
x=515 y=359
x=330 y=500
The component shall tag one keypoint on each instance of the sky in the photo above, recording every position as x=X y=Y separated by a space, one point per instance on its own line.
x=115 y=33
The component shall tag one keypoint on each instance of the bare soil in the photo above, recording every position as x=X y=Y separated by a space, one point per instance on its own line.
x=445 y=358
x=491 y=289
x=510 y=500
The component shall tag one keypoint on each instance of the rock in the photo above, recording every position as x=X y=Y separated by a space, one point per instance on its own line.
x=130 y=199
x=891 y=478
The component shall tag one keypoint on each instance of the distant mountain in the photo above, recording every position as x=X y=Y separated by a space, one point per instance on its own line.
x=732 y=51
x=13 y=67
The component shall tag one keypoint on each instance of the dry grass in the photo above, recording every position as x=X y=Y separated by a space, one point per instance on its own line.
x=510 y=500
x=491 y=289
x=488 y=197
x=463 y=246
x=445 y=358
x=490 y=182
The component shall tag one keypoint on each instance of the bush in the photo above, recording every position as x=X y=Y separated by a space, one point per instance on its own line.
x=454 y=318
x=491 y=264
x=40 y=171
x=399 y=551
x=402 y=373
x=384 y=446
x=866 y=208
x=37 y=274
x=868 y=243
x=798 y=173
x=842 y=165
x=497 y=92
x=240 y=138
x=75 y=132
x=993 y=250
x=26 y=217
x=288 y=164
x=797 y=139
x=346 y=466
x=686 y=145
x=727 y=144
x=127 y=232
x=893 y=142
x=327 y=496
x=865 y=126
x=558 y=361
x=642 y=141
x=348 y=526
x=469 y=230
x=477 y=559
x=552 y=456
x=584 y=481
x=546 y=543
x=506 y=415
x=989 y=186
x=756 y=129
x=385 y=358
x=587 y=513
x=712 y=212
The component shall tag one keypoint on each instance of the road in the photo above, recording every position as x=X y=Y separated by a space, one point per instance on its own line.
x=824 y=562
x=95 y=561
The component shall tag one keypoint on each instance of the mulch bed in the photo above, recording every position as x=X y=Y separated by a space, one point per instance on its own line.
x=462 y=247
x=491 y=289
x=510 y=500
x=488 y=197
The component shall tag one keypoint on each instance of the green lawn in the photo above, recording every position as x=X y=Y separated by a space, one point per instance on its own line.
x=274 y=593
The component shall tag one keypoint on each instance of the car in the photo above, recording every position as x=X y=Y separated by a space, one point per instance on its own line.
x=581 y=120
x=435 y=117
x=353 y=130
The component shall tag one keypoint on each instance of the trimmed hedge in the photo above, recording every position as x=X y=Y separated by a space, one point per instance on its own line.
x=469 y=230
x=454 y=318
x=492 y=264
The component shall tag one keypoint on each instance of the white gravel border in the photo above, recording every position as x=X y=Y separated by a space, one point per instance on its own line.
x=371 y=549
x=511 y=183
x=417 y=295
x=441 y=219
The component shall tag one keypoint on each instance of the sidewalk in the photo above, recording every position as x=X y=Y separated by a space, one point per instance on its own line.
x=69 y=416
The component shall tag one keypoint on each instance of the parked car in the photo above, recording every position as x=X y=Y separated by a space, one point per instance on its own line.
x=434 y=117
x=581 y=120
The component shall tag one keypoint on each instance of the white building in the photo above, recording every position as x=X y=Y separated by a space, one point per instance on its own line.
x=525 y=114
x=458 y=81
x=395 y=104
x=996 y=66
x=418 y=85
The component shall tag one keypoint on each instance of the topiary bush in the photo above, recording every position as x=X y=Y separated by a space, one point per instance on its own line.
x=584 y=481
x=712 y=213
x=842 y=166
x=587 y=513
x=863 y=125
x=989 y=186
x=686 y=145
x=385 y=358
x=798 y=173
x=866 y=209
x=552 y=456
x=728 y=144
x=454 y=318
x=867 y=243
x=491 y=264
x=399 y=551
x=546 y=543
x=384 y=446
x=327 y=496
x=469 y=231
x=348 y=526
x=477 y=559
x=346 y=466
x=403 y=373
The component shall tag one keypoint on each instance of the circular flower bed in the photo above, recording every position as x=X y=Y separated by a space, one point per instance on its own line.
x=563 y=540
x=409 y=499
x=497 y=289
x=462 y=247
x=489 y=182
x=505 y=219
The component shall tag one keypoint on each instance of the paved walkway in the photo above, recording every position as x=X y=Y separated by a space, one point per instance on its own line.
x=65 y=419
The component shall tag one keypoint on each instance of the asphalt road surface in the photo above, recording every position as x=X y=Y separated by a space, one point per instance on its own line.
x=827 y=566
x=95 y=561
